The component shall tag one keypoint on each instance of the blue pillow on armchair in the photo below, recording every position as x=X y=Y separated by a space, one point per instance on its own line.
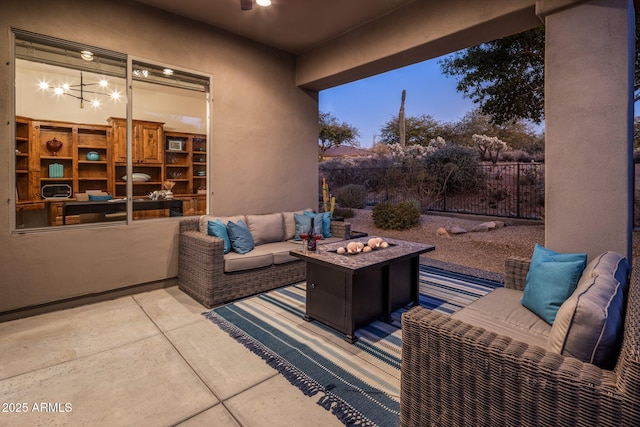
x=240 y=237
x=551 y=280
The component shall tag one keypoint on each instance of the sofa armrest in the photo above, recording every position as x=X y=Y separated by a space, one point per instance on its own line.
x=200 y=263
x=189 y=224
x=341 y=229
x=515 y=272
x=456 y=374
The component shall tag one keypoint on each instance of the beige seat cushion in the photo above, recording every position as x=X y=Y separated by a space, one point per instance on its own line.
x=589 y=324
x=256 y=258
x=281 y=250
x=500 y=312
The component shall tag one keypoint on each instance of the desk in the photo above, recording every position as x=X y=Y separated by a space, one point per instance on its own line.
x=109 y=207
x=347 y=292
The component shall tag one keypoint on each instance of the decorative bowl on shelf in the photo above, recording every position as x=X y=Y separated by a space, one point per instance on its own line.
x=54 y=146
x=138 y=177
x=93 y=156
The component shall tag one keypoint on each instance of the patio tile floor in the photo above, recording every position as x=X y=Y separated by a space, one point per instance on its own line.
x=147 y=359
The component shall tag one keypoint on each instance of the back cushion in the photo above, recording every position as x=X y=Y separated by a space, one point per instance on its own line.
x=290 y=224
x=589 y=325
x=204 y=221
x=266 y=228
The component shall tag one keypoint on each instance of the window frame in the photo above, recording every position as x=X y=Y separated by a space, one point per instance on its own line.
x=198 y=80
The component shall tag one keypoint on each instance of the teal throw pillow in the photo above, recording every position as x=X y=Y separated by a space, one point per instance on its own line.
x=99 y=198
x=551 y=279
x=319 y=221
x=326 y=224
x=302 y=221
x=218 y=229
x=240 y=237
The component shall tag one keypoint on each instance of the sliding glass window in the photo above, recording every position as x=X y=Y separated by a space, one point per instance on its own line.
x=83 y=155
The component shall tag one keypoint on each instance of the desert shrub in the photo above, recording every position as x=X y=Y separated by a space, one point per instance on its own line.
x=343 y=212
x=516 y=156
x=456 y=168
x=352 y=196
x=400 y=216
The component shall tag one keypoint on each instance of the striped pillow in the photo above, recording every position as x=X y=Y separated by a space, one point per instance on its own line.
x=589 y=324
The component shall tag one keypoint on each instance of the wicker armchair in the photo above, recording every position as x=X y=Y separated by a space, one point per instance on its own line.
x=455 y=374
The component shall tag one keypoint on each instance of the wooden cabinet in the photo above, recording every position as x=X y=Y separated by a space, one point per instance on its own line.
x=148 y=141
x=69 y=165
x=25 y=157
x=199 y=162
x=178 y=162
x=186 y=162
x=93 y=157
x=147 y=155
x=193 y=204
x=94 y=174
x=141 y=187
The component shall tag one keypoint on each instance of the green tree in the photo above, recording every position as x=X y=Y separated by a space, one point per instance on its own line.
x=505 y=76
x=419 y=130
x=519 y=134
x=334 y=133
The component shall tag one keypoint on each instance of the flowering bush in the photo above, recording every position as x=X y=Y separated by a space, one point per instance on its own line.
x=416 y=152
x=489 y=145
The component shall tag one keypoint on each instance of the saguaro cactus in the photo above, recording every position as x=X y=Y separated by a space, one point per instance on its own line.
x=401 y=125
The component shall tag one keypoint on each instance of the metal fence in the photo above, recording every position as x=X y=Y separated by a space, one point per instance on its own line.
x=514 y=190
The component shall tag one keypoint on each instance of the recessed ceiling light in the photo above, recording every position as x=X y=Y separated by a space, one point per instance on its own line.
x=263 y=2
x=167 y=72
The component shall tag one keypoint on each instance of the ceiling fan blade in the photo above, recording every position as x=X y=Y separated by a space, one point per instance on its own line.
x=246 y=4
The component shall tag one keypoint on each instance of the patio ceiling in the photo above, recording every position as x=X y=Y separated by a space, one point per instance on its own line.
x=338 y=41
x=293 y=26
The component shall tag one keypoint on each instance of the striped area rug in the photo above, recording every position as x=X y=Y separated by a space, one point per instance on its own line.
x=359 y=383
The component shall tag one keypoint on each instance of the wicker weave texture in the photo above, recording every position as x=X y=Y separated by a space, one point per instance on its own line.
x=455 y=374
x=515 y=272
x=201 y=268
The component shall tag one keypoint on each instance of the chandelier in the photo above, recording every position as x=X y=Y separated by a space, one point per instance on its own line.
x=83 y=90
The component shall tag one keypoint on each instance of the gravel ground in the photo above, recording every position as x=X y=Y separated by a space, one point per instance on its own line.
x=476 y=253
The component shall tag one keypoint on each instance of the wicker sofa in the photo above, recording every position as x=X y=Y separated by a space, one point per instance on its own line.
x=458 y=374
x=212 y=277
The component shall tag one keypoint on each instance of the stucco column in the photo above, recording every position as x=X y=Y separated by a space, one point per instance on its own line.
x=588 y=125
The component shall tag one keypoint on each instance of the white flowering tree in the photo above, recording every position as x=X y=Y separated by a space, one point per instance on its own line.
x=415 y=151
x=489 y=146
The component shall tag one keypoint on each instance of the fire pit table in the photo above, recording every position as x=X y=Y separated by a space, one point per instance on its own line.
x=347 y=292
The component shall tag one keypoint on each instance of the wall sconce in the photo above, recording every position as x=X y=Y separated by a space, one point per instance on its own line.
x=79 y=91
